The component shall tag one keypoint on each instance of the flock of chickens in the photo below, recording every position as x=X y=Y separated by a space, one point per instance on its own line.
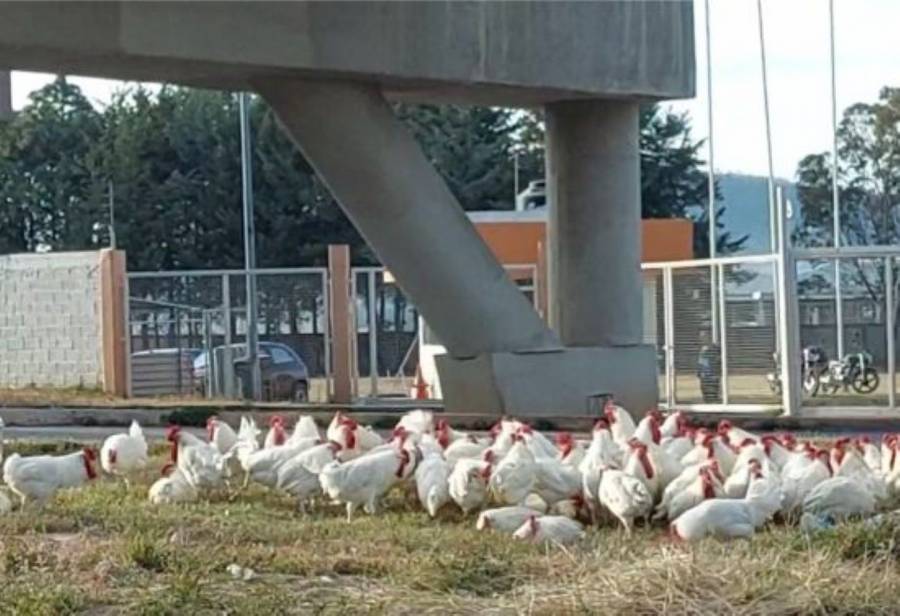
x=724 y=483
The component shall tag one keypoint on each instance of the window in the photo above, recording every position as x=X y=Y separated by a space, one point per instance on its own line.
x=279 y=355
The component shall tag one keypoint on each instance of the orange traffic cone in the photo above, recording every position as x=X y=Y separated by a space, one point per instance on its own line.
x=420 y=388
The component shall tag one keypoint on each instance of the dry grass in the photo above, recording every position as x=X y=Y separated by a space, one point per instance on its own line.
x=105 y=550
x=82 y=396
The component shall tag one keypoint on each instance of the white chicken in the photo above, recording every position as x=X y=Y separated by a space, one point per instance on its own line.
x=247 y=442
x=620 y=422
x=124 y=454
x=262 y=466
x=728 y=518
x=704 y=487
x=468 y=483
x=220 y=435
x=299 y=476
x=734 y=436
x=625 y=496
x=446 y=435
x=277 y=434
x=539 y=444
x=504 y=519
x=674 y=425
x=639 y=465
x=571 y=452
x=418 y=421
x=554 y=529
x=172 y=488
x=737 y=483
x=39 y=478
x=363 y=481
x=648 y=428
x=711 y=447
x=798 y=480
x=514 y=477
x=305 y=428
x=201 y=463
x=871 y=454
x=463 y=448
x=354 y=439
x=432 y=486
x=555 y=482
x=839 y=498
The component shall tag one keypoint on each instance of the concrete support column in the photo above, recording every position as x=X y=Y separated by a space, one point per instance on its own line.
x=403 y=208
x=593 y=175
x=5 y=94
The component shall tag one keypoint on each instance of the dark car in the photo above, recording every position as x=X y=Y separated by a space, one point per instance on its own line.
x=284 y=374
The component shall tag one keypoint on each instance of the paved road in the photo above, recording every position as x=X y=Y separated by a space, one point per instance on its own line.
x=80 y=434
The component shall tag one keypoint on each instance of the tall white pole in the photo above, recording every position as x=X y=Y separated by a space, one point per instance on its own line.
x=709 y=141
x=713 y=272
x=252 y=356
x=835 y=193
x=773 y=219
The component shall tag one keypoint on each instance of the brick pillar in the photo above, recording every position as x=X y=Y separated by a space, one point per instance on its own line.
x=112 y=322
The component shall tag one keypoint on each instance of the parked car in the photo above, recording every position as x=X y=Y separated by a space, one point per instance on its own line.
x=163 y=372
x=284 y=374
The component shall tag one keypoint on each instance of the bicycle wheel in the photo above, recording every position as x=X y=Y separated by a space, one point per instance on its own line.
x=866 y=382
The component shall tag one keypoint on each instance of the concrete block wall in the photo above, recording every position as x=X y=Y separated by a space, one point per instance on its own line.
x=50 y=320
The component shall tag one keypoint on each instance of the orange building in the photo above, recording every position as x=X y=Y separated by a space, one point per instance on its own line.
x=518 y=238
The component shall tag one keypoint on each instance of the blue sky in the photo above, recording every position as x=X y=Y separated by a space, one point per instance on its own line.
x=799 y=78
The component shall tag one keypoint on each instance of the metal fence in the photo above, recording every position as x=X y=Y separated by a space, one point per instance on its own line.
x=178 y=318
x=847 y=305
x=714 y=327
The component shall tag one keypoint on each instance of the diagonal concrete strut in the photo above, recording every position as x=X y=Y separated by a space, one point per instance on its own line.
x=406 y=213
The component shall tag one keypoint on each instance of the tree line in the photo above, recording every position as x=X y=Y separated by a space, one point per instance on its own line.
x=170 y=161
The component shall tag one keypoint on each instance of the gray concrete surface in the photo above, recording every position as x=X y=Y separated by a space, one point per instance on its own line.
x=500 y=53
x=515 y=53
x=81 y=434
x=403 y=208
x=594 y=194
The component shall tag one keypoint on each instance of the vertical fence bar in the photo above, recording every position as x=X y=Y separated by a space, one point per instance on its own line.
x=326 y=334
x=354 y=335
x=669 y=335
x=889 y=330
x=723 y=335
x=228 y=368
x=838 y=308
x=373 y=335
x=126 y=304
x=210 y=360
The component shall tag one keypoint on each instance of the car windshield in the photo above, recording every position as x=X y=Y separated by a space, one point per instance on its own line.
x=238 y=350
x=279 y=355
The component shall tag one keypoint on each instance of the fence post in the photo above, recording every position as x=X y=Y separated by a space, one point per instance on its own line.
x=889 y=329
x=339 y=304
x=326 y=331
x=113 y=322
x=788 y=326
x=669 y=335
x=373 y=335
x=723 y=331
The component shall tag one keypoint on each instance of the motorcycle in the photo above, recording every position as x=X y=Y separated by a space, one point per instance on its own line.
x=854 y=371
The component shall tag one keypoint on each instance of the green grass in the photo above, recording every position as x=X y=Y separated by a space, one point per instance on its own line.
x=105 y=550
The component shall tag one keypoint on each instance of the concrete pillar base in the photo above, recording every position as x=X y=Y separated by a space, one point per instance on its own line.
x=551 y=382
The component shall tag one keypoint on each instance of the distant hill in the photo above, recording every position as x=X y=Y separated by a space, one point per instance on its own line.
x=747 y=208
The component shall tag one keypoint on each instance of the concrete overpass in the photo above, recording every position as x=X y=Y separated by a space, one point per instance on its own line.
x=328 y=69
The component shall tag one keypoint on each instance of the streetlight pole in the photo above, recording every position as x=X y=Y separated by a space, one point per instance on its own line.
x=252 y=357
